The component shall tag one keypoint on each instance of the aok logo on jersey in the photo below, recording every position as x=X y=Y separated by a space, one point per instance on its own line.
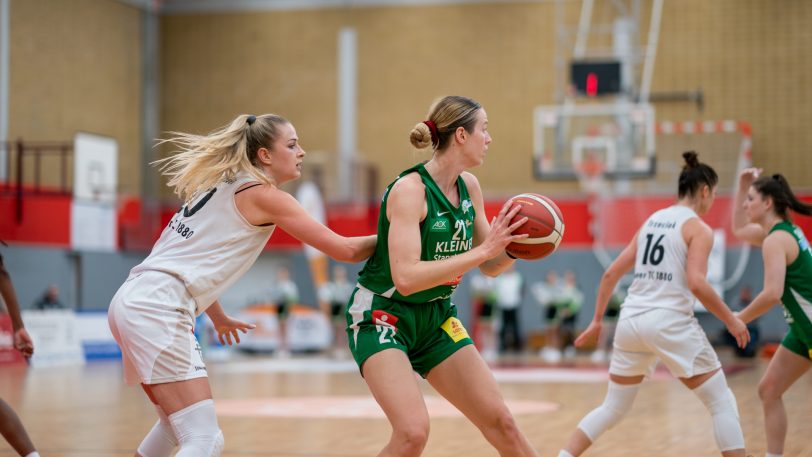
x=440 y=225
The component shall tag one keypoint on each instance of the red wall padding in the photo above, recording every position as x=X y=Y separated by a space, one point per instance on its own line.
x=46 y=219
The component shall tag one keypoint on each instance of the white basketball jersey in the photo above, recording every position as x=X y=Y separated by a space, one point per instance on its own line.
x=659 y=269
x=208 y=244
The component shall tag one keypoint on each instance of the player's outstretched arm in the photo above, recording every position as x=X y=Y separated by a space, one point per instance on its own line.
x=279 y=207
x=775 y=272
x=699 y=238
x=741 y=227
x=621 y=265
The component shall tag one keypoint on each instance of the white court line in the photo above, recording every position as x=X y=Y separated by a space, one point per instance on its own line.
x=503 y=375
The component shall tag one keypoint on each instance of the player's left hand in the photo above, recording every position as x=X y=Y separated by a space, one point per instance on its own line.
x=228 y=330
x=591 y=334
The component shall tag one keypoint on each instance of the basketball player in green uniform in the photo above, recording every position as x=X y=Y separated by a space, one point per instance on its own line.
x=761 y=217
x=400 y=320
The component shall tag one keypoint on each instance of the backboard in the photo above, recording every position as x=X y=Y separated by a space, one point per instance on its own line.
x=619 y=135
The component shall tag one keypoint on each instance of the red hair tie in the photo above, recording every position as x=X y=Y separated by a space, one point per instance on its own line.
x=435 y=138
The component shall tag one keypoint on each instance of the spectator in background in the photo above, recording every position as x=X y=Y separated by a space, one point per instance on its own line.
x=508 y=290
x=483 y=299
x=547 y=295
x=49 y=299
x=10 y=426
x=284 y=294
x=570 y=303
x=334 y=296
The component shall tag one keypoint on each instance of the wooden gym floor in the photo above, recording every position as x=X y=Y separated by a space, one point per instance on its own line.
x=318 y=407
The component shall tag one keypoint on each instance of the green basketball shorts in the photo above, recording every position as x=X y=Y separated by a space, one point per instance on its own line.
x=427 y=332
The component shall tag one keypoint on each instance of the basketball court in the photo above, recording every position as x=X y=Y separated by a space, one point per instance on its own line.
x=581 y=117
x=320 y=407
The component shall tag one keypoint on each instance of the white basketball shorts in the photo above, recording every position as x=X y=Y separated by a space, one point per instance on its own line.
x=667 y=335
x=152 y=319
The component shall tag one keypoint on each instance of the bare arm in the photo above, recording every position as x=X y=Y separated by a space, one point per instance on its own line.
x=621 y=265
x=774 y=252
x=495 y=265
x=10 y=298
x=699 y=238
x=406 y=207
x=22 y=340
x=742 y=228
x=266 y=204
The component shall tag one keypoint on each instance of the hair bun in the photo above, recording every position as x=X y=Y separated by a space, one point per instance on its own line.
x=420 y=137
x=691 y=158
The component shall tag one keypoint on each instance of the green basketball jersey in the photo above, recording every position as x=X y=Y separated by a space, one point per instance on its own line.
x=446 y=231
x=797 y=297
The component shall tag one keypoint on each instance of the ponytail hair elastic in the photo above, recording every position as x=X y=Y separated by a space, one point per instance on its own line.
x=250 y=120
x=435 y=138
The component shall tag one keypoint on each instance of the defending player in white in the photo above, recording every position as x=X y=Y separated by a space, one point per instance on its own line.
x=670 y=258
x=229 y=180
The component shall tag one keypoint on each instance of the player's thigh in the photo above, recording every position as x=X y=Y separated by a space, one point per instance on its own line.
x=175 y=396
x=784 y=369
x=393 y=383
x=631 y=357
x=152 y=320
x=465 y=380
x=682 y=345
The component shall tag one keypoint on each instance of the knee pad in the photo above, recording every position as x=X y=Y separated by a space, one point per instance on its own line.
x=197 y=431
x=721 y=403
x=618 y=401
x=160 y=441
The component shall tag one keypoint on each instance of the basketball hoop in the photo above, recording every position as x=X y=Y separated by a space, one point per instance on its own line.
x=590 y=174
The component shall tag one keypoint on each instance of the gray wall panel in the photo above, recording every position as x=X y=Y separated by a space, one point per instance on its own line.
x=32 y=269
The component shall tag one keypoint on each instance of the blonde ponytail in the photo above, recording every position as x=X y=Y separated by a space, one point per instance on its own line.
x=202 y=161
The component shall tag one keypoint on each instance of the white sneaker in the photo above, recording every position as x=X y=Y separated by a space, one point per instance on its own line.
x=569 y=353
x=551 y=355
x=599 y=356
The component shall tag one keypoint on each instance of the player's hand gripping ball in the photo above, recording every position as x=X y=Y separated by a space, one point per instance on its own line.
x=545 y=227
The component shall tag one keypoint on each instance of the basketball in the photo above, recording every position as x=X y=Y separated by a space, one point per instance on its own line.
x=545 y=227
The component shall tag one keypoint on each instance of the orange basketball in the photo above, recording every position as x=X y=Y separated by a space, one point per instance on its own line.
x=545 y=225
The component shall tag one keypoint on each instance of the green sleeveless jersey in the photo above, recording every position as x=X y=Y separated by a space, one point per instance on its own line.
x=797 y=296
x=446 y=231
